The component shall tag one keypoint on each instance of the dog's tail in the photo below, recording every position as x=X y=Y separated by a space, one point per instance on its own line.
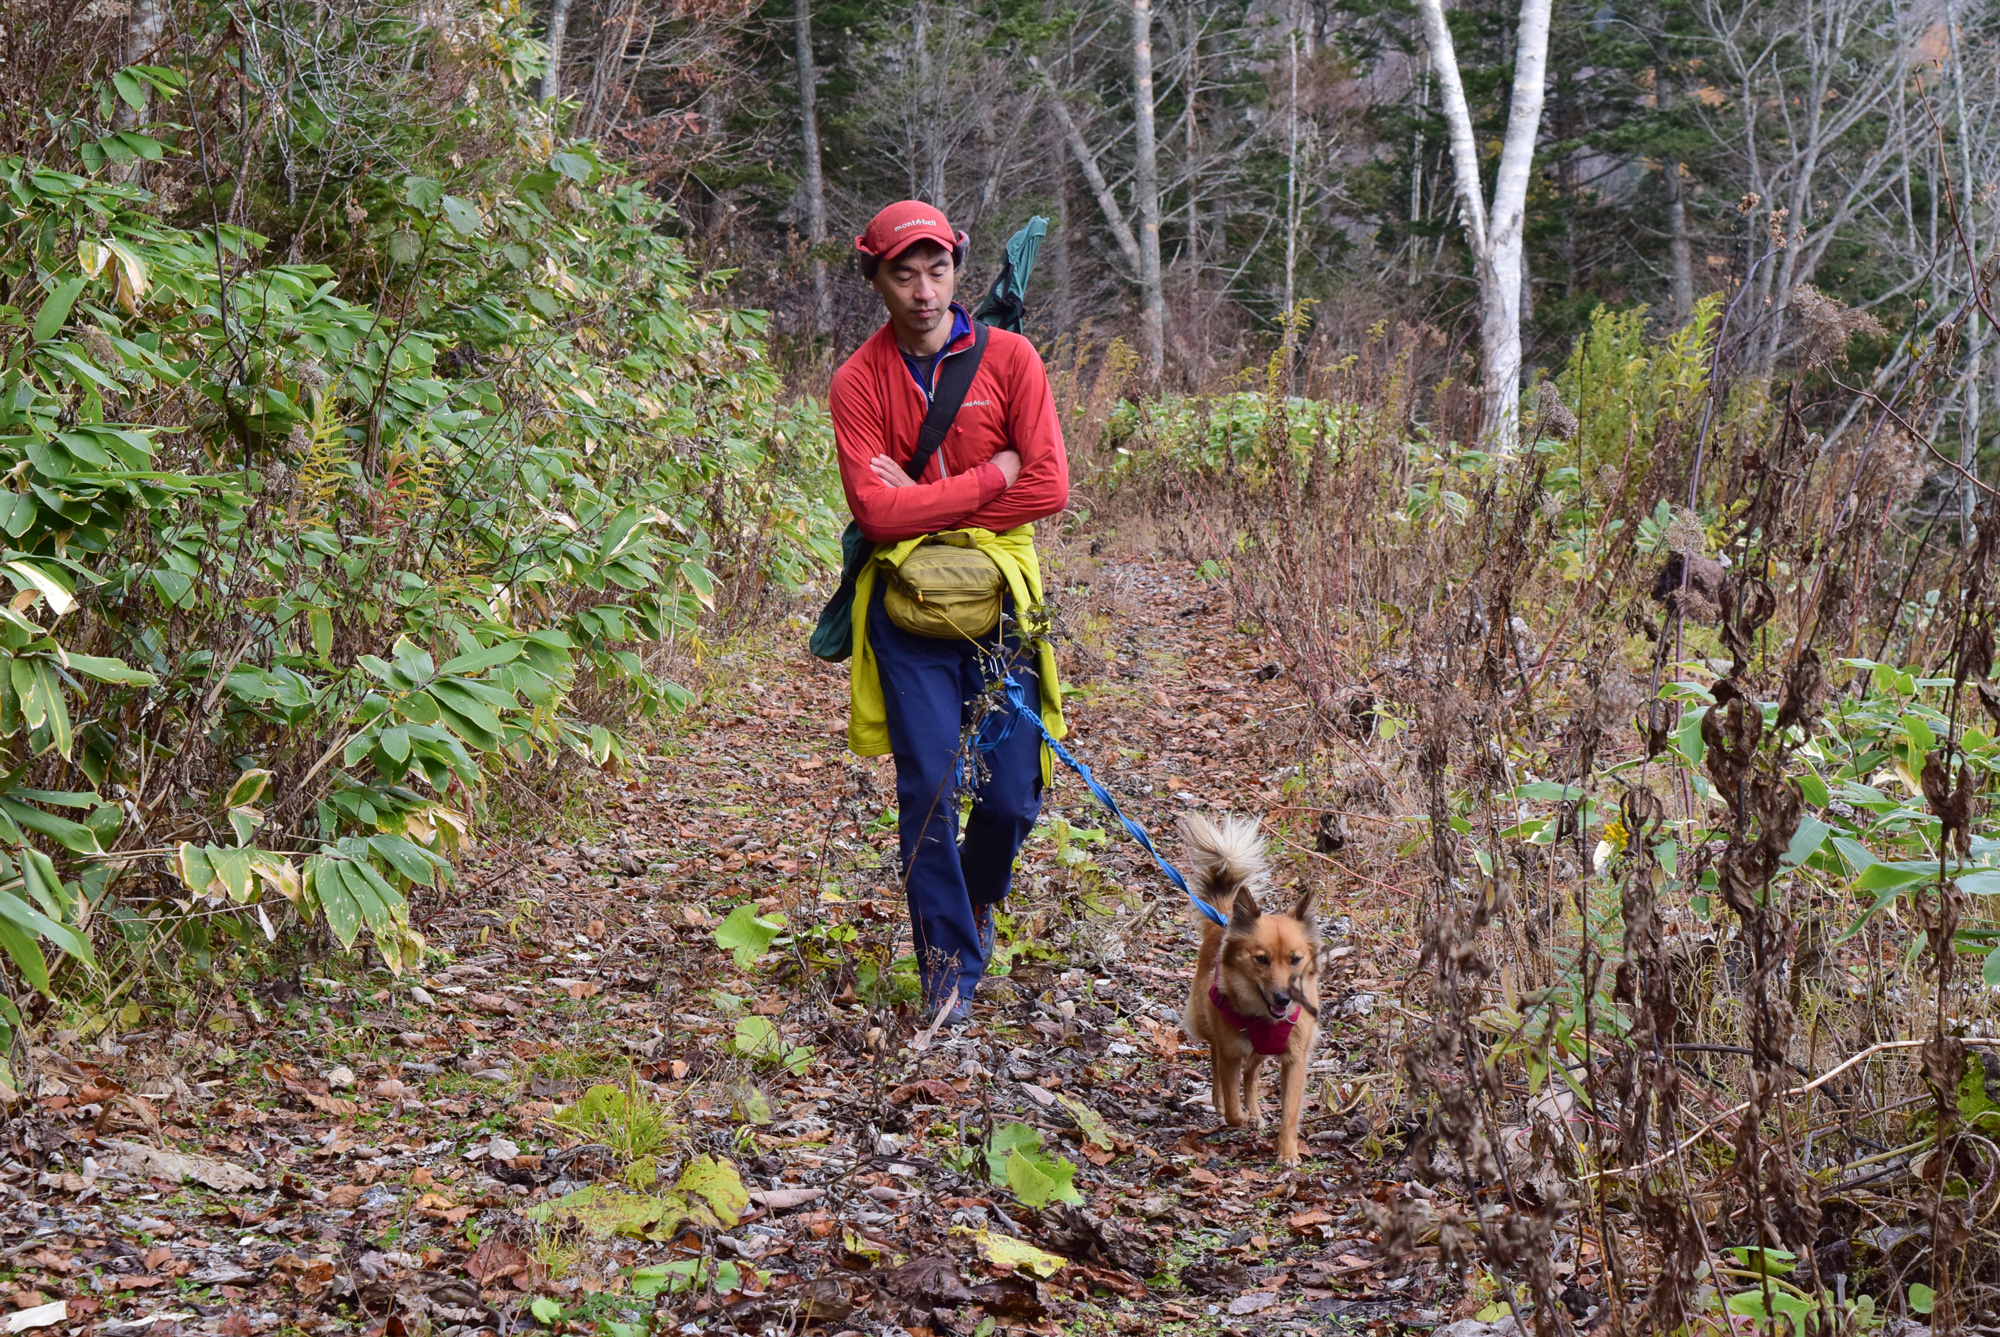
x=1224 y=858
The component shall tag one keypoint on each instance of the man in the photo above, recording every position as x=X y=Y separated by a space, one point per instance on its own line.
x=1000 y=467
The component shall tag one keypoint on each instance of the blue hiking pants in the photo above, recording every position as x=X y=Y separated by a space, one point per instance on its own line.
x=929 y=685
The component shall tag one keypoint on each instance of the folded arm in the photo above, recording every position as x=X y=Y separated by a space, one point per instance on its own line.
x=1042 y=487
x=891 y=511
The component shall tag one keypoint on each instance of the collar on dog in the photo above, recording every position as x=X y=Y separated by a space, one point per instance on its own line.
x=1266 y=1037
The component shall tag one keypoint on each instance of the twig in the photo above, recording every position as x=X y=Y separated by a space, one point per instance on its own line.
x=922 y=1041
x=1731 y=1113
x=1359 y=877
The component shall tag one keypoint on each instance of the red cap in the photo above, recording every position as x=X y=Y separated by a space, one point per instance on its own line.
x=902 y=225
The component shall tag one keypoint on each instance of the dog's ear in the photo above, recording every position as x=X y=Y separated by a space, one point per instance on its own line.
x=1243 y=912
x=1302 y=907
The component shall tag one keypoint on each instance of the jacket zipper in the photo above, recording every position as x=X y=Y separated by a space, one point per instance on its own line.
x=937 y=372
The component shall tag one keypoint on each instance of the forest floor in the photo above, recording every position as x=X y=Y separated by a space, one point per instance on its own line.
x=765 y=1148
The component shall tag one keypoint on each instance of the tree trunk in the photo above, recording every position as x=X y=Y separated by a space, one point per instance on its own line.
x=1509 y=219
x=1975 y=334
x=145 y=25
x=930 y=185
x=815 y=179
x=1417 y=166
x=714 y=212
x=551 y=87
x=1495 y=236
x=1680 y=247
x=1458 y=124
x=614 y=40
x=1192 y=313
x=1086 y=162
x=1146 y=189
x=1060 y=262
x=1292 y=186
x=1000 y=157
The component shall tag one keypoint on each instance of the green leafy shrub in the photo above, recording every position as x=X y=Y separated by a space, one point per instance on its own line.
x=1223 y=431
x=1629 y=392
x=298 y=576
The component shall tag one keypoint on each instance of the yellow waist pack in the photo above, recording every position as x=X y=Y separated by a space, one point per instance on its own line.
x=947 y=587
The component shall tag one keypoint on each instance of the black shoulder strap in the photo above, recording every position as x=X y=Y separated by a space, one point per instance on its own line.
x=954 y=379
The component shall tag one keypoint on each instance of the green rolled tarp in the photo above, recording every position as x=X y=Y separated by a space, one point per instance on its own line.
x=1005 y=302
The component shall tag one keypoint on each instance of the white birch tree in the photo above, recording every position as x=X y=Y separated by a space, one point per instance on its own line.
x=145 y=25
x=1495 y=233
x=551 y=85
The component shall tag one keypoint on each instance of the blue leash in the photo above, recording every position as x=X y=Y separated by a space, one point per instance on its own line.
x=1021 y=710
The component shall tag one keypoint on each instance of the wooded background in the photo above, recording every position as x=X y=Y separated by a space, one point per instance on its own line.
x=1297 y=150
x=1286 y=151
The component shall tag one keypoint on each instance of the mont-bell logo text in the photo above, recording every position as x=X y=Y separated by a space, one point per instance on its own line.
x=917 y=222
x=977 y=404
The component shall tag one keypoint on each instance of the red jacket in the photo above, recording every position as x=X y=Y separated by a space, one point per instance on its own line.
x=878 y=410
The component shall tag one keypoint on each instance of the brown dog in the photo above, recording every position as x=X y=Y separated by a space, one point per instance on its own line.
x=1256 y=983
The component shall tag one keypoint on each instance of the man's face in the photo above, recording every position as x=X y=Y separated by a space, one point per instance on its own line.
x=916 y=287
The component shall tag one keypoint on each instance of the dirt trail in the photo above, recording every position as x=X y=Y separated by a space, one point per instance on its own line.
x=404 y=1134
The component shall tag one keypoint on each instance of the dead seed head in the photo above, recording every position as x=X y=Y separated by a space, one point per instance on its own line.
x=1557 y=419
x=1686 y=535
x=1776 y=228
x=1618 y=696
x=100 y=347
x=1829 y=325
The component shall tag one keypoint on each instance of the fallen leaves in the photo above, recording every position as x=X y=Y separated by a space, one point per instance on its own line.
x=1309 y=1221
x=314 y=1092
x=148 y=1162
x=317 y=1277
x=128 y=1282
x=496 y=1260
x=935 y=1092
x=1007 y=1252
x=440 y=1208
x=39 y=1316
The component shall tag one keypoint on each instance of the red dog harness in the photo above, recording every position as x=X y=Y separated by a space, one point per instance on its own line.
x=1266 y=1037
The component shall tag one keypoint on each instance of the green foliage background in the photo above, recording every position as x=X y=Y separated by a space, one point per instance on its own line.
x=309 y=550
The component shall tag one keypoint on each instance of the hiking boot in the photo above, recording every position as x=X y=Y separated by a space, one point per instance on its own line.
x=960 y=1015
x=957 y=1018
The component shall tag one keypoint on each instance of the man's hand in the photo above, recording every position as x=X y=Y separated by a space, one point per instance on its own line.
x=890 y=472
x=1008 y=462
